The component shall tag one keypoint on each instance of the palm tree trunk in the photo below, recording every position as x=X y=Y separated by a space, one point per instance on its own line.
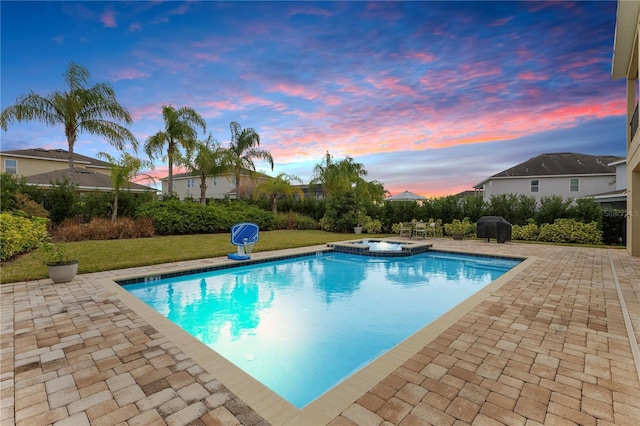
x=170 y=180
x=71 y=141
x=114 y=215
x=203 y=190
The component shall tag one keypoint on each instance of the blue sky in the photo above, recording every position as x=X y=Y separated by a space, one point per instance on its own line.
x=431 y=97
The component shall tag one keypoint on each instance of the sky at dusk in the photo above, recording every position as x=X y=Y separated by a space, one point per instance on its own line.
x=431 y=97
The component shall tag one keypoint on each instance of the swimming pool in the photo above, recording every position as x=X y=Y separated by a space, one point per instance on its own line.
x=300 y=326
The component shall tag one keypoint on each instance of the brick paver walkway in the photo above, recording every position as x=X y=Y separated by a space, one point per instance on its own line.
x=549 y=347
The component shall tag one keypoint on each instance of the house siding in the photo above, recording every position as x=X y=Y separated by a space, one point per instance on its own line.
x=218 y=191
x=625 y=65
x=548 y=186
x=34 y=166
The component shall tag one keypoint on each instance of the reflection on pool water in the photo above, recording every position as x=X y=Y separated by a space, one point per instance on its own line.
x=302 y=325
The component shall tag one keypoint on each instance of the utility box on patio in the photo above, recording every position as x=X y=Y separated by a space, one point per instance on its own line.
x=494 y=227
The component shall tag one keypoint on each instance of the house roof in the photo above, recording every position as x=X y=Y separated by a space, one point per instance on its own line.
x=559 y=164
x=56 y=155
x=85 y=179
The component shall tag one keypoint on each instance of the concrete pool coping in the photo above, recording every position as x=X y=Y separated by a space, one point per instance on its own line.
x=272 y=407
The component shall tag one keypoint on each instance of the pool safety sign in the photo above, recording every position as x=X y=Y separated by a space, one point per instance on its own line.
x=244 y=236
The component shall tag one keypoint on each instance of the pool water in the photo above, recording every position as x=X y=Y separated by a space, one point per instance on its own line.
x=300 y=326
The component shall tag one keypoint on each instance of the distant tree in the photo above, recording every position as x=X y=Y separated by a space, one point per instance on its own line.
x=279 y=187
x=473 y=207
x=122 y=171
x=244 y=148
x=209 y=159
x=551 y=208
x=180 y=131
x=82 y=109
x=342 y=176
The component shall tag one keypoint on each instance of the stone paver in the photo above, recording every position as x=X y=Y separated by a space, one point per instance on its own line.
x=548 y=347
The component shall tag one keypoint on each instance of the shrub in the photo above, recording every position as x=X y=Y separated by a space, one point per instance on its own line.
x=174 y=217
x=528 y=232
x=371 y=226
x=104 y=229
x=61 y=201
x=570 y=231
x=25 y=205
x=20 y=235
x=463 y=227
x=293 y=220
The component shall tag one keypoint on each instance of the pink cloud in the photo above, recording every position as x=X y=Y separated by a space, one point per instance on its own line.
x=422 y=57
x=501 y=22
x=129 y=74
x=532 y=76
x=108 y=19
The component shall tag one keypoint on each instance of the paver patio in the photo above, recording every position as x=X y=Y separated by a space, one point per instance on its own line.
x=551 y=346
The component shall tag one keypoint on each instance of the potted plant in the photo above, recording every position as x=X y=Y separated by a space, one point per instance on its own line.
x=61 y=266
x=458 y=228
x=360 y=219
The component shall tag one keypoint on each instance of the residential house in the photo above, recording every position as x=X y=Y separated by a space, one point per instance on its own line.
x=626 y=52
x=28 y=162
x=186 y=185
x=44 y=167
x=617 y=198
x=565 y=174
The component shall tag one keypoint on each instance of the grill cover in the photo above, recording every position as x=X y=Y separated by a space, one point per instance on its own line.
x=494 y=227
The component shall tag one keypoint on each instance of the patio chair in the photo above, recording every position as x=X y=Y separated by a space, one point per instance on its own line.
x=420 y=230
x=406 y=230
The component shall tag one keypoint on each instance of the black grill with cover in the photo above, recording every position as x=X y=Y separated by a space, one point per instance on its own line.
x=494 y=227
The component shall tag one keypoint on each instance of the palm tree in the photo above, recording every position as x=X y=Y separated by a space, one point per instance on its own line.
x=82 y=109
x=278 y=187
x=122 y=171
x=179 y=132
x=343 y=176
x=210 y=159
x=244 y=148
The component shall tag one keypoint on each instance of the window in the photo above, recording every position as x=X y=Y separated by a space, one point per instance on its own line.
x=215 y=181
x=535 y=185
x=574 y=186
x=233 y=180
x=11 y=166
x=191 y=183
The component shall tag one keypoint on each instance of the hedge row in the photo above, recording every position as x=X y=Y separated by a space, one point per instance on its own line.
x=175 y=217
x=560 y=231
x=20 y=234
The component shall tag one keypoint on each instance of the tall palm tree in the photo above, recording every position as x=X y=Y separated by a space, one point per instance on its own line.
x=279 y=187
x=122 y=171
x=244 y=148
x=179 y=132
x=81 y=109
x=209 y=159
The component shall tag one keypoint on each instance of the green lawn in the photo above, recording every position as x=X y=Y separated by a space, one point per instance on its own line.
x=95 y=256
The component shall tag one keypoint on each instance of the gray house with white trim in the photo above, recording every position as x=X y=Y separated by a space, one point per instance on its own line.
x=565 y=174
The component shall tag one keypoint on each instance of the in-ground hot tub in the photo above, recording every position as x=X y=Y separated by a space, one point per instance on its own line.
x=380 y=248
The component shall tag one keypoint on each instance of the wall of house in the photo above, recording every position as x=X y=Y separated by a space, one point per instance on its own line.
x=633 y=176
x=34 y=166
x=548 y=186
x=621 y=176
x=216 y=187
